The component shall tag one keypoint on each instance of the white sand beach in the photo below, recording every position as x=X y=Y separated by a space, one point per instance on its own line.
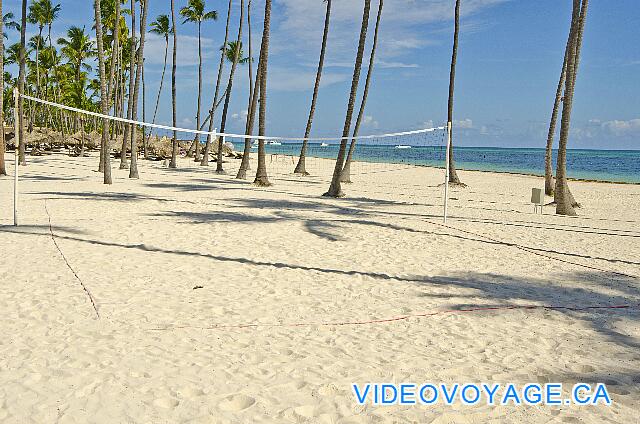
x=289 y=282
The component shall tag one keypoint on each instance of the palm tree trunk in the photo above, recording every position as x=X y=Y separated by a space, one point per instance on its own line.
x=104 y=103
x=111 y=86
x=164 y=68
x=132 y=76
x=21 y=81
x=564 y=202
x=251 y=113
x=3 y=167
x=133 y=169
x=335 y=189
x=548 y=157
x=301 y=166
x=251 y=107
x=261 y=171
x=174 y=153
x=453 y=175
x=225 y=110
x=144 y=113
x=197 y=137
x=207 y=146
x=346 y=171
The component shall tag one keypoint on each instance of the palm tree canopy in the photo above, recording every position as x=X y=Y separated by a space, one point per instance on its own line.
x=43 y=12
x=161 y=26
x=8 y=22
x=36 y=42
x=194 y=12
x=230 y=53
x=77 y=47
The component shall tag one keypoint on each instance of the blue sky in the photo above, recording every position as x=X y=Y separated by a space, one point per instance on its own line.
x=509 y=62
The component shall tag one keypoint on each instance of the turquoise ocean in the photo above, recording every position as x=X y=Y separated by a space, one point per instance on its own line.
x=601 y=165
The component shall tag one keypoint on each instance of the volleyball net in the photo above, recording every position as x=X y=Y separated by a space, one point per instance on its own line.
x=79 y=131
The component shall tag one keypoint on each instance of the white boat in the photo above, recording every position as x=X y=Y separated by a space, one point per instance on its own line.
x=403 y=147
x=324 y=145
x=274 y=143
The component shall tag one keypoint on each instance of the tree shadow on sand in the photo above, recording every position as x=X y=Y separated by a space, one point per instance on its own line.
x=595 y=289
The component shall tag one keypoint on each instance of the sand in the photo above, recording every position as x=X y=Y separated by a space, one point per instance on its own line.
x=293 y=264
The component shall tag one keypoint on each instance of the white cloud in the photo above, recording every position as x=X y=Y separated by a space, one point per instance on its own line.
x=285 y=79
x=187 y=50
x=623 y=128
x=368 y=121
x=401 y=29
x=465 y=123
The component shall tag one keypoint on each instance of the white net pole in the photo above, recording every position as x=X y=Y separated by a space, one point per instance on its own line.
x=16 y=97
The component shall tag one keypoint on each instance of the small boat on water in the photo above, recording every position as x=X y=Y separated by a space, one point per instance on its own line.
x=403 y=147
x=274 y=143
x=324 y=145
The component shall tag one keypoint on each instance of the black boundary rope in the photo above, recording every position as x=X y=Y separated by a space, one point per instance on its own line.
x=528 y=250
x=75 y=274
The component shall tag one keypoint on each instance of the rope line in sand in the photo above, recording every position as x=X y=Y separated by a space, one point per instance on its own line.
x=398 y=318
x=528 y=250
x=53 y=237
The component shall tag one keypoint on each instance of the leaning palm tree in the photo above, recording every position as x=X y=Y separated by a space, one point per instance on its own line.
x=346 y=171
x=301 y=166
x=21 y=81
x=194 y=12
x=262 y=178
x=104 y=101
x=335 y=189
x=133 y=170
x=162 y=27
x=207 y=146
x=234 y=55
x=565 y=202
x=548 y=157
x=174 y=151
x=453 y=175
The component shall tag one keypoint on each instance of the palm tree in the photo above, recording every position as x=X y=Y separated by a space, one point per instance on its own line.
x=234 y=55
x=36 y=16
x=77 y=48
x=453 y=175
x=335 y=189
x=195 y=13
x=251 y=107
x=132 y=64
x=161 y=27
x=174 y=152
x=21 y=81
x=548 y=172
x=261 y=172
x=207 y=146
x=8 y=21
x=133 y=170
x=346 y=171
x=111 y=88
x=564 y=200
x=104 y=102
x=301 y=166
x=3 y=168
